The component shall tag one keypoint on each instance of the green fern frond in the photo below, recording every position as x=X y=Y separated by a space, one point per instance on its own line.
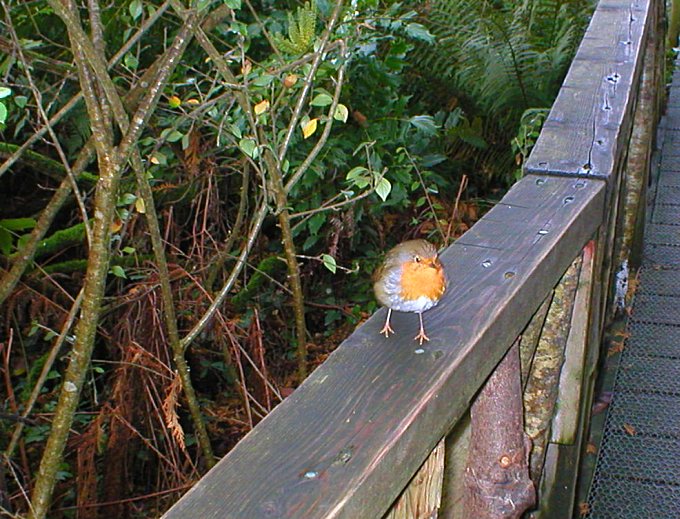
x=499 y=58
x=505 y=56
x=301 y=31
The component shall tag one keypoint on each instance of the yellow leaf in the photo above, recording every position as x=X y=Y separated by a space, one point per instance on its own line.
x=290 y=80
x=140 y=206
x=154 y=160
x=174 y=101
x=309 y=128
x=261 y=107
x=116 y=225
x=192 y=101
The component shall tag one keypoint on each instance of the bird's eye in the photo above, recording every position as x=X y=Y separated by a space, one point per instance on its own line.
x=416 y=259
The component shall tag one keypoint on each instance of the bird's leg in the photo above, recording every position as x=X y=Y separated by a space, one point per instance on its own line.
x=387 y=329
x=421 y=334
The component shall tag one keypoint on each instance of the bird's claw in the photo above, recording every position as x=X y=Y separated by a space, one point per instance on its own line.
x=421 y=337
x=386 y=330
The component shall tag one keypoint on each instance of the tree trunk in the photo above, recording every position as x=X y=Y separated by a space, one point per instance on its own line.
x=497 y=483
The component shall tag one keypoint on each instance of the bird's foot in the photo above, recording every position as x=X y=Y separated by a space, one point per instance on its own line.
x=386 y=330
x=421 y=337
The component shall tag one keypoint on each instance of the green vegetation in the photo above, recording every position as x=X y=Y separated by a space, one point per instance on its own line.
x=220 y=182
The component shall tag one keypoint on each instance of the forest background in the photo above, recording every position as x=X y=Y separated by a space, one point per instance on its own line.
x=193 y=196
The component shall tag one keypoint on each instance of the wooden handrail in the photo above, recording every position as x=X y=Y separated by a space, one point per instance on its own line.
x=348 y=440
x=590 y=120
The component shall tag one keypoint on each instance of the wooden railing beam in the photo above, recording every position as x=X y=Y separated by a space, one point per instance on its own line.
x=589 y=122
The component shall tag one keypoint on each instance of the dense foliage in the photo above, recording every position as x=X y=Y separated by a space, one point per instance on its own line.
x=282 y=159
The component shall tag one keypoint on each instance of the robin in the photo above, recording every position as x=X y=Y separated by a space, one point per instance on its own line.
x=410 y=279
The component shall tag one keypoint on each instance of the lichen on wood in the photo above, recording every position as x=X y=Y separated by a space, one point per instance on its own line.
x=541 y=391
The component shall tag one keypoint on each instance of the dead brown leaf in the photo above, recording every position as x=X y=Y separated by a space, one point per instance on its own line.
x=602 y=402
x=583 y=509
x=616 y=347
x=629 y=429
x=591 y=448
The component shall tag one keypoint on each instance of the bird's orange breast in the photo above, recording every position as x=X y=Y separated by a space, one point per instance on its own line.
x=418 y=280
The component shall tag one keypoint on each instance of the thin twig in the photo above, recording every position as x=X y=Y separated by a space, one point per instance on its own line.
x=454 y=213
x=427 y=194
x=44 y=372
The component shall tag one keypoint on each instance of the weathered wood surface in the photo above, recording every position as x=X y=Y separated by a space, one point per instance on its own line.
x=641 y=143
x=590 y=119
x=457 y=443
x=423 y=496
x=558 y=483
x=350 y=438
x=540 y=395
x=568 y=408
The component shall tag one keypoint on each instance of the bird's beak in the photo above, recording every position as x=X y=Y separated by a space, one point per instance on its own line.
x=434 y=263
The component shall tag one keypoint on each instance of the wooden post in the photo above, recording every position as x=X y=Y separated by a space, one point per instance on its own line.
x=422 y=497
x=497 y=479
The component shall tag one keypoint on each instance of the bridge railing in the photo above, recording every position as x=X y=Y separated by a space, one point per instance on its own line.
x=387 y=428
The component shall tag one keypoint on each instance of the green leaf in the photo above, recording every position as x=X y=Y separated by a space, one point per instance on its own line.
x=263 y=80
x=131 y=61
x=310 y=241
x=321 y=100
x=356 y=172
x=383 y=188
x=329 y=262
x=419 y=32
x=158 y=157
x=315 y=222
x=248 y=147
x=234 y=4
x=358 y=176
x=18 y=224
x=3 y=113
x=171 y=135
x=21 y=101
x=126 y=199
x=4 y=92
x=341 y=113
x=433 y=159
x=235 y=131
x=135 y=9
x=118 y=271
x=5 y=242
x=424 y=123
x=128 y=250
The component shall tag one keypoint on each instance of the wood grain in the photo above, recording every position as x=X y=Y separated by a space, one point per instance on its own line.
x=590 y=120
x=566 y=420
x=347 y=442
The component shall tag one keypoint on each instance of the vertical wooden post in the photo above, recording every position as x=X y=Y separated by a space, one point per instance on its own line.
x=497 y=483
x=422 y=497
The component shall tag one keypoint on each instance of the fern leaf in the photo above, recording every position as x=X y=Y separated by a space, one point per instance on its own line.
x=301 y=30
